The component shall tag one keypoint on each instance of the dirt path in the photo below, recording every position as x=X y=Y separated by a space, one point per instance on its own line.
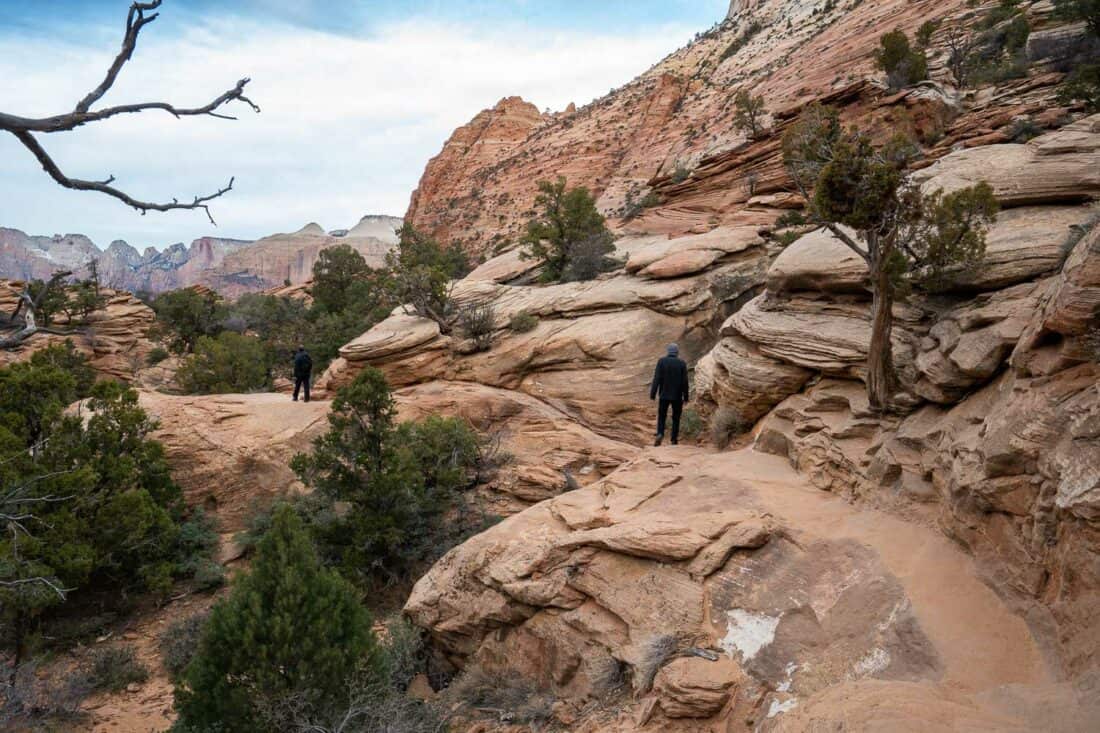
x=983 y=644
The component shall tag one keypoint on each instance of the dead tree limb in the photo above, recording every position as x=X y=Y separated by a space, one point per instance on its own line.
x=24 y=127
x=30 y=307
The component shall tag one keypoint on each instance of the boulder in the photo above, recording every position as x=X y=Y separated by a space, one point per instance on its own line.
x=820 y=262
x=114 y=338
x=682 y=557
x=542 y=450
x=230 y=453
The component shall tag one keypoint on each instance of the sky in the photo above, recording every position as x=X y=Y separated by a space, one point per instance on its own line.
x=356 y=97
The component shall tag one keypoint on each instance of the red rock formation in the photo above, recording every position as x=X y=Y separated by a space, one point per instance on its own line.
x=672 y=129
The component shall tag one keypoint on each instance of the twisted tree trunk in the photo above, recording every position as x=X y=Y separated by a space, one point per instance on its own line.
x=880 y=357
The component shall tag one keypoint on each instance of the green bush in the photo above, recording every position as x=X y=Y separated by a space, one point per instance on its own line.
x=112 y=668
x=569 y=230
x=395 y=482
x=156 y=355
x=289 y=636
x=104 y=511
x=691 y=424
x=229 y=362
x=179 y=642
x=904 y=65
x=188 y=315
x=523 y=322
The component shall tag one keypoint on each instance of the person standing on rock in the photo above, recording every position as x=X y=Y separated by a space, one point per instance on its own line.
x=303 y=367
x=670 y=382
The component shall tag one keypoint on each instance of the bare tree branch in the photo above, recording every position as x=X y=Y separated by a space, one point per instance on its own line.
x=22 y=127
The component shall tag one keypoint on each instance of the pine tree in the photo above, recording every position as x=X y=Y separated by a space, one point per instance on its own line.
x=289 y=631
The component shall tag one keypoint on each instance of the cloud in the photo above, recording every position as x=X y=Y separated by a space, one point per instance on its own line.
x=348 y=122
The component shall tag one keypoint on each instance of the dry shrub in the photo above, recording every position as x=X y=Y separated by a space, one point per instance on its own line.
x=657 y=651
x=180 y=640
x=477 y=323
x=726 y=424
x=511 y=697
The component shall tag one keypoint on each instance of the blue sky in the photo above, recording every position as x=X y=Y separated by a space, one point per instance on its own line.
x=356 y=97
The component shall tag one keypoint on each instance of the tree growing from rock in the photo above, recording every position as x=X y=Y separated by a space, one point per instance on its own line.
x=421 y=272
x=903 y=64
x=749 y=113
x=569 y=236
x=27 y=129
x=290 y=629
x=905 y=236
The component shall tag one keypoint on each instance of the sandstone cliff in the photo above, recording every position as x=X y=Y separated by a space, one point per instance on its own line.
x=864 y=601
x=671 y=133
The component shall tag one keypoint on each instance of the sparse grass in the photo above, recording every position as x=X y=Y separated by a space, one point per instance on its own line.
x=180 y=640
x=523 y=322
x=726 y=424
x=40 y=702
x=691 y=424
x=512 y=698
x=657 y=651
x=609 y=677
x=113 y=668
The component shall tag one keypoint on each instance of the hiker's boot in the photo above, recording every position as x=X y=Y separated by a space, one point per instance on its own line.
x=657 y=442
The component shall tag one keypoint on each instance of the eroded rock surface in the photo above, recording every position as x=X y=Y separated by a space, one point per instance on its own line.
x=113 y=338
x=590 y=355
x=799 y=595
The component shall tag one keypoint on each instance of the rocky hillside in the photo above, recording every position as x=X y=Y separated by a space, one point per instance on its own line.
x=933 y=568
x=229 y=266
x=930 y=569
x=664 y=154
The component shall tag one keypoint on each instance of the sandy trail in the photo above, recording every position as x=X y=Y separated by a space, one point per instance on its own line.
x=982 y=643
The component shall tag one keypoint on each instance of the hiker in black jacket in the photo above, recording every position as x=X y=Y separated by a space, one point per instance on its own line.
x=303 y=366
x=670 y=381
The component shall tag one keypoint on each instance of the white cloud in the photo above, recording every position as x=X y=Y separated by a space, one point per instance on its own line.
x=347 y=125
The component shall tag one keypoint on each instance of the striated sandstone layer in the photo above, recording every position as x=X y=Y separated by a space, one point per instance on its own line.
x=672 y=133
x=113 y=338
x=803 y=599
x=590 y=354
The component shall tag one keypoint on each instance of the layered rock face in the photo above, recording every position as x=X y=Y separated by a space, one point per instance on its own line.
x=113 y=338
x=999 y=441
x=722 y=585
x=671 y=132
x=590 y=354
x=230 y=266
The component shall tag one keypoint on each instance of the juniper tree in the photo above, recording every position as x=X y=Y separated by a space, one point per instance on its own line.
x=903 y=64
x=420 y=273
x=568 y=228
x=905 y=236
x=749 y=115
x=289 y=629
x=336 y=270
x=396 y=482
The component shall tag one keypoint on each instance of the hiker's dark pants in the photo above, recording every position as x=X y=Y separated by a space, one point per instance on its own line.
x=298 y=383
x=662 y=417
